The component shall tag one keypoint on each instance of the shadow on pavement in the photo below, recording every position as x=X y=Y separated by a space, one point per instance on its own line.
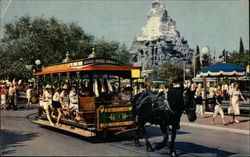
x=187 y=148
x=154 y=131
x=12 y=139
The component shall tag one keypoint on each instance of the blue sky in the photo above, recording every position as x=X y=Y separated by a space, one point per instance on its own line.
x=218 y=24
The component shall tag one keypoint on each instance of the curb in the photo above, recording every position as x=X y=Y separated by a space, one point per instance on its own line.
x=244 y=132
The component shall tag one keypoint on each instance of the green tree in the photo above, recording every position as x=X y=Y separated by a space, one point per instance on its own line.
x=241 y=50
x=28 y=39
x=197 y=62
x=113 y=50
x=241 y=59
x=170 y=73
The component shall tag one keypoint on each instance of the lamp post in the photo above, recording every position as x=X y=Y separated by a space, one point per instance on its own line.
x=37 y=62
x=184 y=68
x=33 y=69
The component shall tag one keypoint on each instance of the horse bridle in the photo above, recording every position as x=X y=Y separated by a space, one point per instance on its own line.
x=185 y=105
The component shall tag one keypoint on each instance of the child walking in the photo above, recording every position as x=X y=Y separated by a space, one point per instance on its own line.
x=199 y=106
x=218 y=107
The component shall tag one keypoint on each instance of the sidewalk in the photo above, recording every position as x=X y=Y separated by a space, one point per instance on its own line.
x=241 y=128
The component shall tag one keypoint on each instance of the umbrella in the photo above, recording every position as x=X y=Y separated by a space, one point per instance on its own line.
x=199 y=79
x=158 y=80
x=222 y=69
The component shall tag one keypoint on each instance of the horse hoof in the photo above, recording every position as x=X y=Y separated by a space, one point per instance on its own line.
x=173 y=153
x=149 y=148
x=159 y=146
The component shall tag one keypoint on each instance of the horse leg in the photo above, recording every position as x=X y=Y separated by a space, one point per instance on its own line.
x=137 y=142
x=165 y=137
x=148 y=145
x=173 y=136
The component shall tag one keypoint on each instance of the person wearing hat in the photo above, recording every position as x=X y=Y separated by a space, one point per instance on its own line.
x=47 y=99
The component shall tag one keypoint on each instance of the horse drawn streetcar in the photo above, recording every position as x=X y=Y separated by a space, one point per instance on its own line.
x=96 y=82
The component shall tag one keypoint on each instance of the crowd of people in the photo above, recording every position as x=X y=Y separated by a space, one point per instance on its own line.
x=61 y=102
x=9 y=95
x=216 y=95
x=55 y=101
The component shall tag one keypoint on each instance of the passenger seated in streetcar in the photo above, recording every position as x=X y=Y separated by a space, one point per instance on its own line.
x=126 y=94
x=73 y=105
x=47 y=101
x=64 y=97
x=64 y=103
x=87 y=93
x=56 y=101
x=116 y=98
x=86 y=89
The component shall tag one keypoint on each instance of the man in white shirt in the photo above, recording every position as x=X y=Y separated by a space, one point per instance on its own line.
x=73 y=102
x=73 y=99
x=28 y=96
x=11 y=93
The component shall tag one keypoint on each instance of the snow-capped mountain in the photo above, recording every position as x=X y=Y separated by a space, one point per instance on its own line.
x=159 y=41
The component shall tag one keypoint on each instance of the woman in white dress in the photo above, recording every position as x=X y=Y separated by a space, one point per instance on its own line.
x=236 y=94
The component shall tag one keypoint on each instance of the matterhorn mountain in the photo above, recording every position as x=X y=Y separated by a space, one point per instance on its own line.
x=159 y=41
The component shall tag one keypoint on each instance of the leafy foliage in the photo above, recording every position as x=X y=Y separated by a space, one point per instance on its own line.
x=28 y=39
x=241 y=59
x=112 y=50
x=171 y=73
x=168 y=72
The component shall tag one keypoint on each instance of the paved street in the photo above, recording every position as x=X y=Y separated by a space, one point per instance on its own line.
x=21 y=137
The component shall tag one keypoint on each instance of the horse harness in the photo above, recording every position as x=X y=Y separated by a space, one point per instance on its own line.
x=165 y=107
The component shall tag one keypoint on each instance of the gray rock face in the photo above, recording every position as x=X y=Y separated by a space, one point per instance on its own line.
x=159 y=42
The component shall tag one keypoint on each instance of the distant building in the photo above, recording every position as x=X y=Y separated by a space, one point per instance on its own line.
x=159 y=42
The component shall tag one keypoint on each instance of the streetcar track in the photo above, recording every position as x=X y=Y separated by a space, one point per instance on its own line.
x=96 y=140
x=93 y=139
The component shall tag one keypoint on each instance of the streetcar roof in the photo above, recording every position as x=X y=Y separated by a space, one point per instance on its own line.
x=90 y=64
